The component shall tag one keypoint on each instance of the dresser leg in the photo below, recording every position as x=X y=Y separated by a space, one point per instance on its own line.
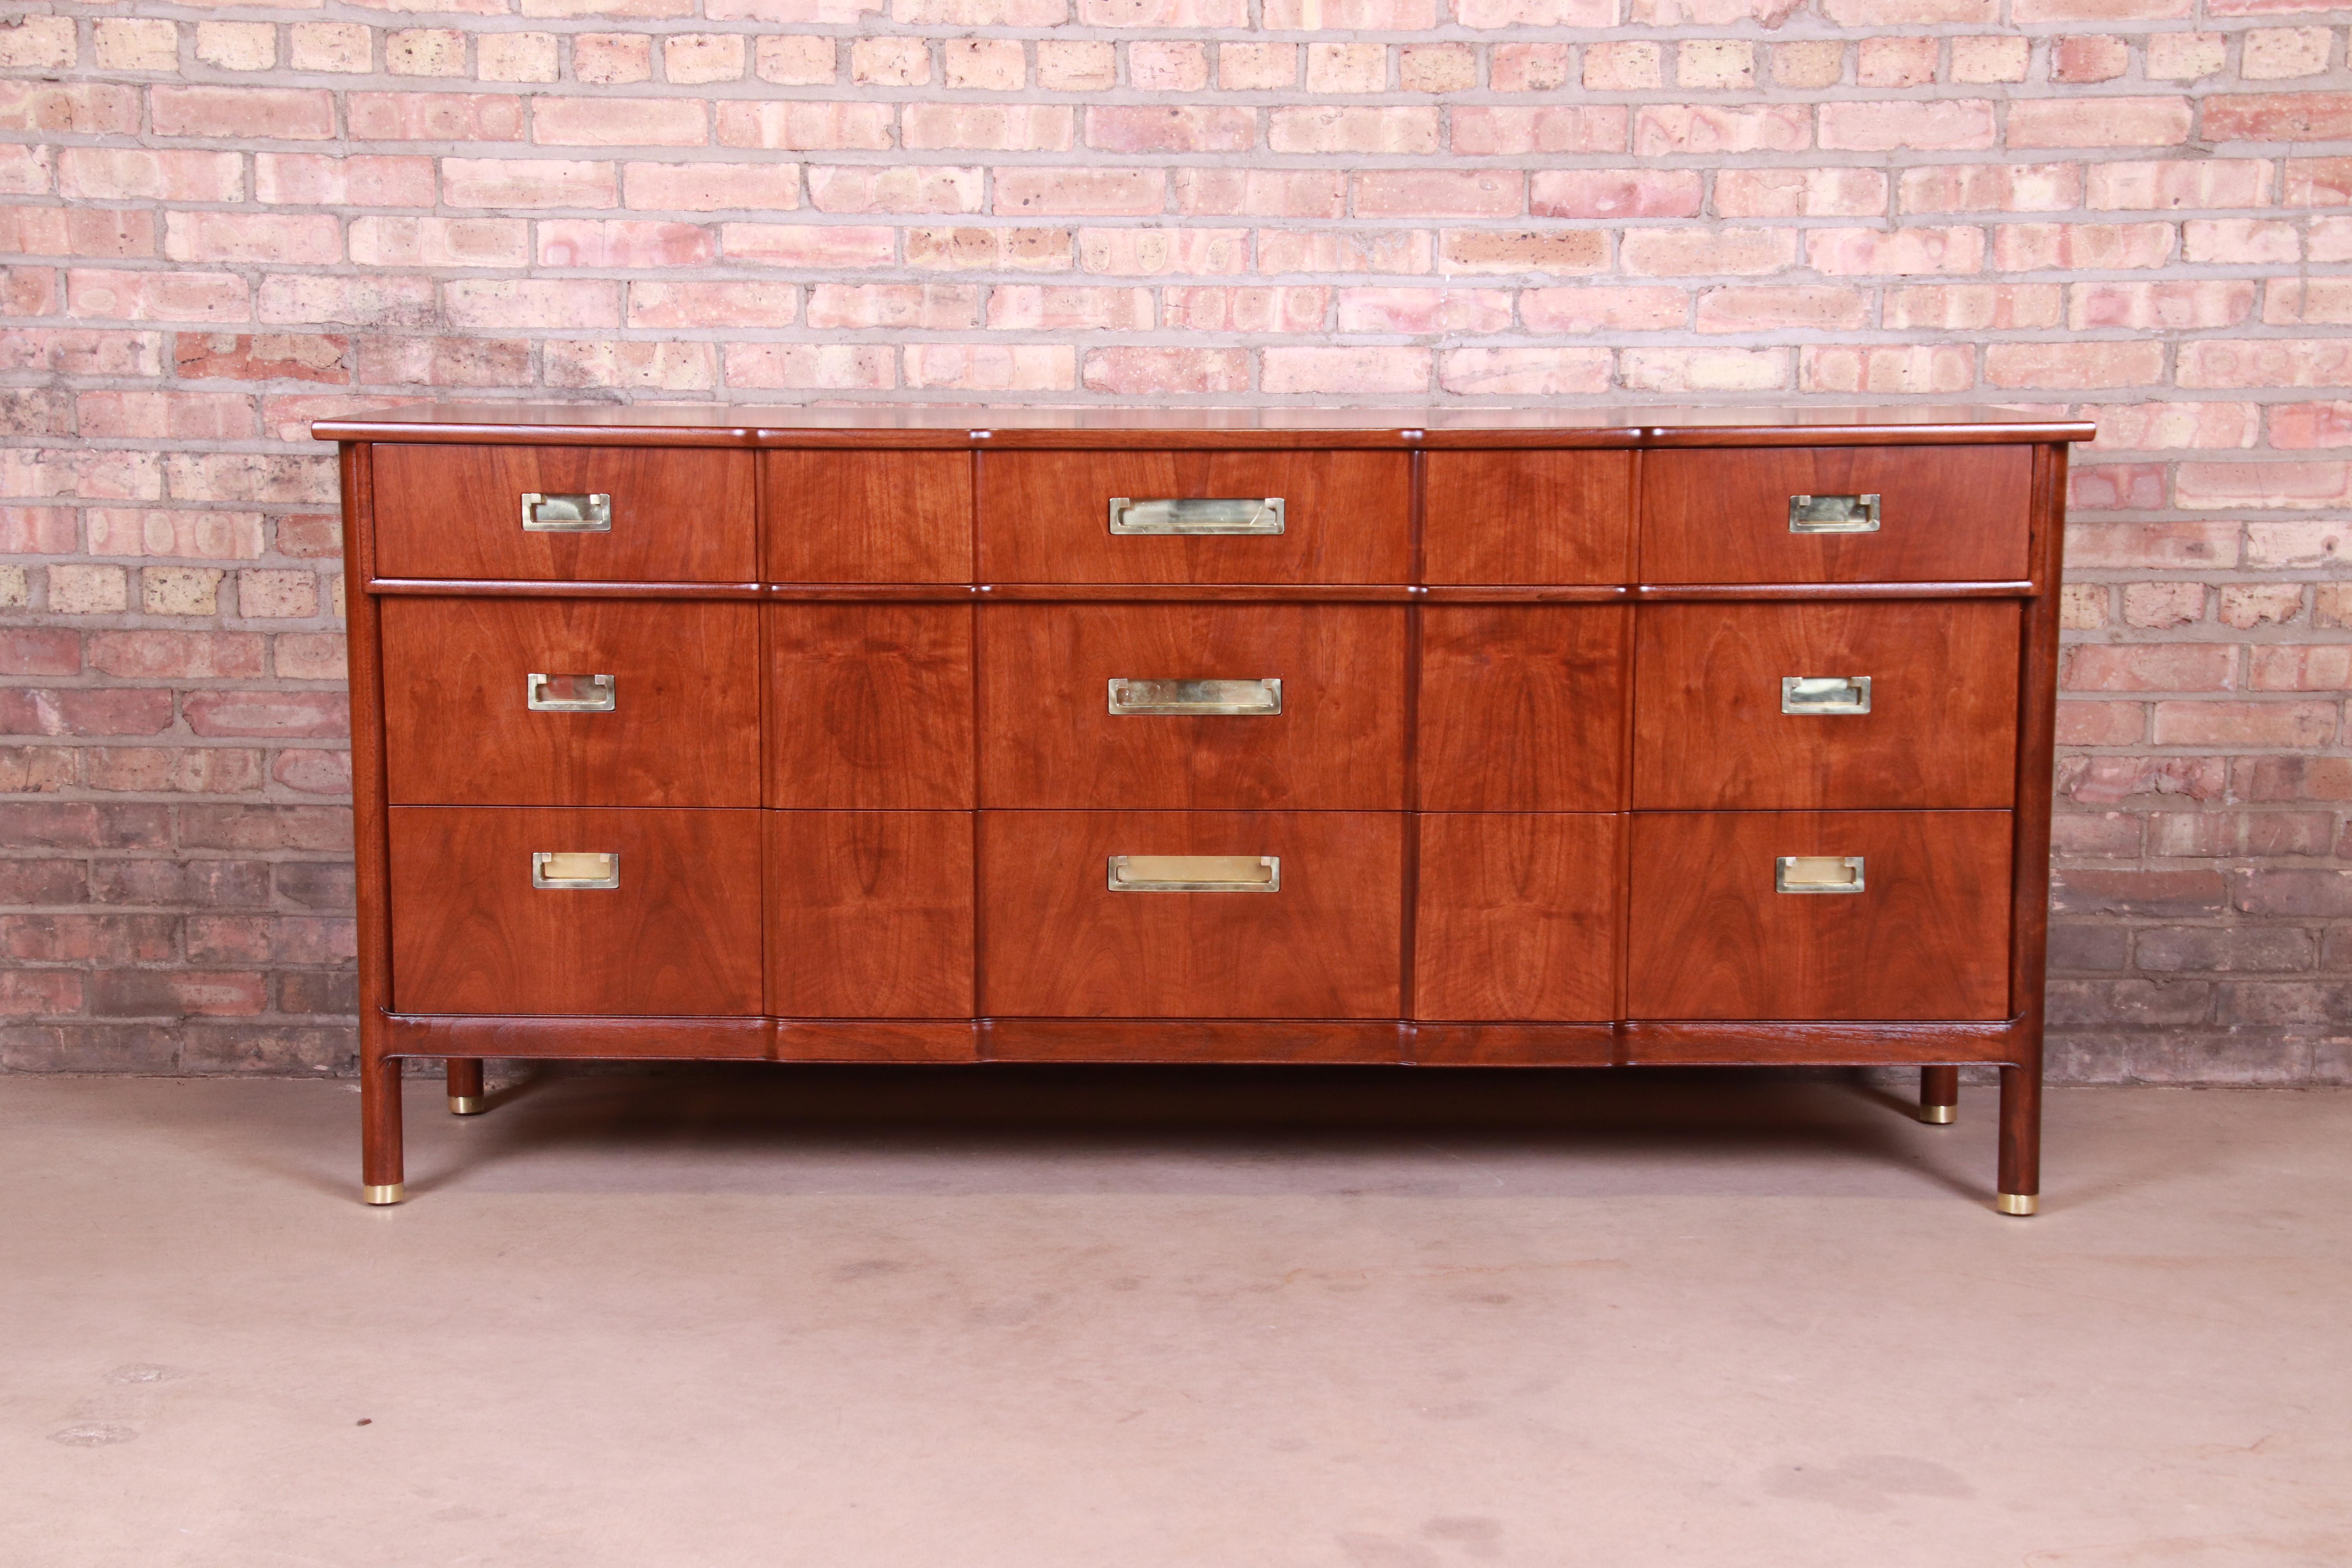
x=2021 y=1140
x=380 y=1152
x=466 y=1086
x=1940 y=1094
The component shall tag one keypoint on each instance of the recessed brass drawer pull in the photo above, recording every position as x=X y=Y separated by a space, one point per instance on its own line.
x=568 y=693
x=1196 y=515
x=1229 y=696
x=1818 y=874
x=1825 y=694
x=561 y=869
x=1834 y=514
x=566 y=514
x=1196 y=873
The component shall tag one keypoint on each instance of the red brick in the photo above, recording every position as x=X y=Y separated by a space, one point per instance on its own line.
x=1440 y=192
x=1144 y=370
x=1080 y=192
x=39 y=650
x=1595 y=310
x=528 y=183
x=1137 y=128
x=1557 y=128
x=1615 y=193
x=713 y=187
x=1927 y=124
x=1244 y=309
x=87 y=109
x=84 y=710
x=240 y=113
x=1668 y=129
x=712 y=305
x=925 y=306
x=2149 y=666
x=603 y=121
x=2075 y=367
x=804 y=126
x=2277 y=116
x=439 y=116
x=2300 y=726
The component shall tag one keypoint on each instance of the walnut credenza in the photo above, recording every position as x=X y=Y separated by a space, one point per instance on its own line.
x=1486 y=737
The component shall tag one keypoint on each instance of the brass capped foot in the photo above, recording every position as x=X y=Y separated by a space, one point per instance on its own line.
x=466 y=1105
x=389 y=1193
x=1939 y=1115
x=2018 y=1203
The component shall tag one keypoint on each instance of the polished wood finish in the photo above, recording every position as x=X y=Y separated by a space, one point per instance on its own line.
x=1058 y=942
x=1548 y=518
x=680 y=934
x=1709 y=733
x=464 y=1075
x=457 y=512
x=869 y=914
x=1048 y=738
x=870 y=706
x=1521 y=708
x=1939 y=1086
x=1723 y=517
x=1500 y=847
x=1517 y=917
x=684 y=727
x=1709 y=937
x=866 y=517
x=1044 y=516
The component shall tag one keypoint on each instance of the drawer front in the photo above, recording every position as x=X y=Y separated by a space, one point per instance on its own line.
x=1942 y=514
x=1103 y=706
x=1516 y=917
x=1345 y=517
x=1712 y=935
x=869 y=706
x=869 y=914
x=1528 y=517
x=1523 y=707
x=1893 y=705
x=868 y=517
x=677 y=933
x=571 y=702
x=1324 y=942
x=666 y=514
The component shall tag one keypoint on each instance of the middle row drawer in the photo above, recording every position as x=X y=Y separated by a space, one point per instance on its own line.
x=1190 y=706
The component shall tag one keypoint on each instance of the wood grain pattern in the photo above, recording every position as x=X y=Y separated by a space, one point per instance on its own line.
x=1941 y=732
x=1044 y=516
x=866 y=517
x=381 y=1154
x=1048 y=738
x=1521 y=707
x=1816 y=1045
x=869 y=914
x=1512 y=1045
x=679 y=935
x=571 y=1037
x=870 y=1040
x=1269 y=1041
x=870 y=706
x=1528 y=517
x=684 y=729
x=457 y=512
x=1057 y=943
x=1517 y=917
x=1723 y=516
x=1927 y=938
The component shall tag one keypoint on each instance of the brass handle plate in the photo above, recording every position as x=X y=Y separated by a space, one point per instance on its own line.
x=1238 y=698
x=568 y=693
x=1192 y=515
x=548 y=513
x=1825 y=694
x=1817 y=874
x=1834 y=514
x=566 y=868
x=1196 y=873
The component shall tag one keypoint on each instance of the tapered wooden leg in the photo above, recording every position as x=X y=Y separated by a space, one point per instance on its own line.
x=2020 y=1140
x=466 y=1086
x=381 y=1164
x=1940 y=1094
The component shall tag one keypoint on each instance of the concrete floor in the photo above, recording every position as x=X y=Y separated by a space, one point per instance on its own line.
x=1055 y=1319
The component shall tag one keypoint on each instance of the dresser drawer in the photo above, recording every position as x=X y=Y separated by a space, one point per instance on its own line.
x=1836 y=514
x=1885 y=915
x=1528 y=517
x=1516 y=915
x=1523 y=707
x=676 y=932
x=868 y=517
x=1239 y=707
x=571 y=702
x=869 y=914
x=1342 y=517
x=1317 y=933
x=589 y=514
x=1788 y=706
x=869 y=706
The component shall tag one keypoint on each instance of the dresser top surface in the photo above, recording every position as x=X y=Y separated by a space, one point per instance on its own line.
x=987 y=428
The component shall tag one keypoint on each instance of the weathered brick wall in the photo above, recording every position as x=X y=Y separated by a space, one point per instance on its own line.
x=218 y=227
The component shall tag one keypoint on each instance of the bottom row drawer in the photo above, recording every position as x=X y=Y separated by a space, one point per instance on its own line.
x=845 y=914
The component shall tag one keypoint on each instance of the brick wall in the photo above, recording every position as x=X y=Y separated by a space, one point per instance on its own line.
x=216 y=227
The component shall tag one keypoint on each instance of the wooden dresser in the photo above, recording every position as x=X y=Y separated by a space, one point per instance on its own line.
x=1481 y=737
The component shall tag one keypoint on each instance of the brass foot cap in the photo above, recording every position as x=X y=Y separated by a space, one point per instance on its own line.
x=1939 y=1115
x=2018 y=1203
x=465 y=1105
x=390 y=1193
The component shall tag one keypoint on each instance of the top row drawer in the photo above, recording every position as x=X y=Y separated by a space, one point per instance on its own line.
x=1774 y=514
